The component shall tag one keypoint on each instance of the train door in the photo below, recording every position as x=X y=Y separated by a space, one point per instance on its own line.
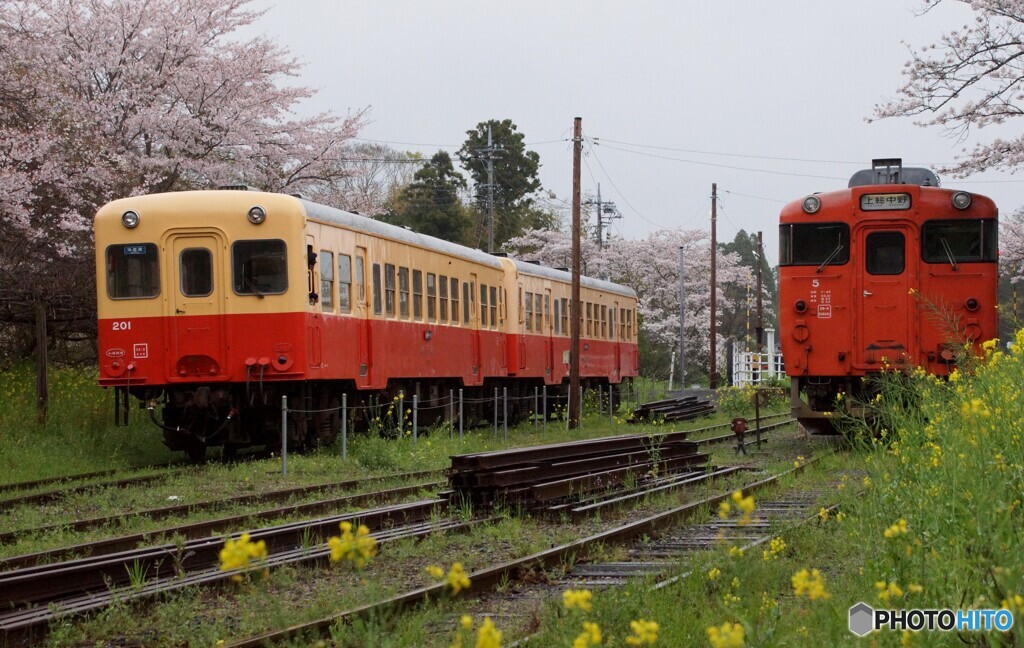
x=883 y=299
x=548 y=333
x=469 y=303
x=616 y=341
x=198 y=338
x=313 y=327
x=362 y=312
x=521 y=337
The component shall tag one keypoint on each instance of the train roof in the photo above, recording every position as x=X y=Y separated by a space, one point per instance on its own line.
x=343 y=218
x=357 y=221
x=535 y=270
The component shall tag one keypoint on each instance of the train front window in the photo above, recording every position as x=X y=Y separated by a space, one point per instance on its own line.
x=959 y=241
x=133 y=271
x=814 y=244
x=196 y=267
x=885 y=253
x=259 y=267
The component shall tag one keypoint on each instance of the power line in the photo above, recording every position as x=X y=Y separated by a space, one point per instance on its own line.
x=619 y=191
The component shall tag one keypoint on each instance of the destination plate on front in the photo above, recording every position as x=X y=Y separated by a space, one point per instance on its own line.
x=885 y=201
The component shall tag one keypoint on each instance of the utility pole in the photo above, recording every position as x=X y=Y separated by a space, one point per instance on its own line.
x=489 y=154
x=760 y=312
x=606 y=207
x=713 y=373
x=574 y=311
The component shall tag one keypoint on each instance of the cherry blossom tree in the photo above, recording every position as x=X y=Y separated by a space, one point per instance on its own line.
x=971 y=78
x=651 y=267
x=101 y=99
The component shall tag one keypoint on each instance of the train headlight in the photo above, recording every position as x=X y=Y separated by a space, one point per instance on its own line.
x=961 y=200
x=971 y=304
x=257 y=215
x=812 y=204
x=130 y=219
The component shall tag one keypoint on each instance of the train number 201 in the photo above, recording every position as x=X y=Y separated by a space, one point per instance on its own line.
x=123 y=326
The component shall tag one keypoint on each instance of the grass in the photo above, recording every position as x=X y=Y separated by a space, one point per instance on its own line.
x=79 y=435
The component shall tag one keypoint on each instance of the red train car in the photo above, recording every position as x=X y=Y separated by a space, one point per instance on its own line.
x=892 y=271
x=214 y=304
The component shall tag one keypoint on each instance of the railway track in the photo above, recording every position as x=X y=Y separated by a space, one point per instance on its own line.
x=35 y=593
x=514 y=571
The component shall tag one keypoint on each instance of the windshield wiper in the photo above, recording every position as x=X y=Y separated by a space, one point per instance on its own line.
x=249 y=283
x=829 y=258
x=949 y=253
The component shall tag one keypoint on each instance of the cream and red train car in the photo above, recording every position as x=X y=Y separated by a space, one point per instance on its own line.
x=214 y=304
x=892 y=271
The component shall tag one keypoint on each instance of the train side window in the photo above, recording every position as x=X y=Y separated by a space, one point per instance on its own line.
x=417 y=295
x=389 y=289
x=133 y=271
x=565 y=316
x=494 y=306
x=403 y=293
x=558 y=319
x=196 y=268
x=455 y=300
x=529 y=311
x=604 y=322
x=443 y=301
x=360 y=270
x=885 y=253
x=814 y=244
x=483 y=305
x=547 y=312
x=327 y=280
x=259 y=267
x=611 y=323
x=538 y=312
x=467 y=301
x=590 y=319
x=345 y=280
x=376 y=289
x=431 y=297
x=962 y=241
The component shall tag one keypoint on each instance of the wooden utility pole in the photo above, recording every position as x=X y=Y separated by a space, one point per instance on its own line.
x=574 y=311
x=760 y=312
x=42 y=387
x=713 y=369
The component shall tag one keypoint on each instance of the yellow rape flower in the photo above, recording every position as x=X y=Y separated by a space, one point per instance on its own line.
x=240 y=553
x=727 y=635
x=809 y=584
x=487 y=636
x=724 y=508
x=572 y=599
x=355 y=548
x=714 y=573
x=898 y=529
x=457 y=578
x=644 y=633
x=887 y=591
x=591 y=636
x=435 y=571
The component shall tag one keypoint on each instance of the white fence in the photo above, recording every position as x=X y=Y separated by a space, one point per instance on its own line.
x=753 y=368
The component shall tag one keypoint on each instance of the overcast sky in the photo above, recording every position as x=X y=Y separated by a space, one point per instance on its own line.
x=766 y=99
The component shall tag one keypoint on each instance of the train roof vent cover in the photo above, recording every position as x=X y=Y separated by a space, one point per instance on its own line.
x=891 y=171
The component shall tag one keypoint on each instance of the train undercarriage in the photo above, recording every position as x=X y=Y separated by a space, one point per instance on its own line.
x=197 y=417
x=820 y=403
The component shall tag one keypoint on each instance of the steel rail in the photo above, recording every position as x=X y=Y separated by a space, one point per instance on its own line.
x=208 y=527
x=9 y=537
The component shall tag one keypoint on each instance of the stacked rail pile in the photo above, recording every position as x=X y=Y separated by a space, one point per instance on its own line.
x=546 y=475
x=674 y=409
